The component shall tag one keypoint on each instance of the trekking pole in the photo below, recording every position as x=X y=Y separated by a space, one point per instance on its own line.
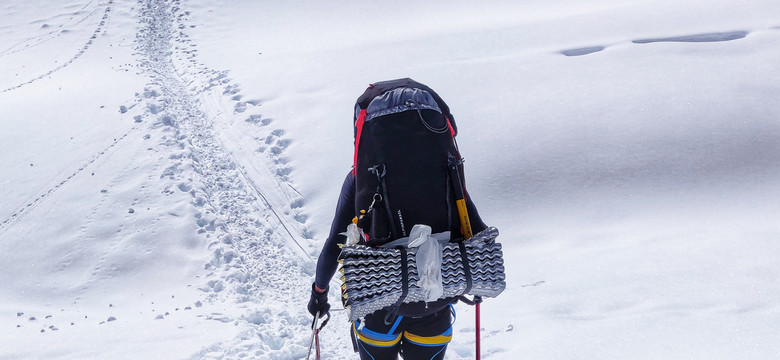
x=465 y=224
x=478 y=300
x=315 y=334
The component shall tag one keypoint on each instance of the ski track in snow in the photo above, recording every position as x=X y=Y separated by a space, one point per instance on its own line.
x=42 y=39
x=73 y=19
x=32 y=203
x=253 y=264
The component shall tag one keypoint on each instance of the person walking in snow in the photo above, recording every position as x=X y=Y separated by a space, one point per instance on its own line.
x=416 y=330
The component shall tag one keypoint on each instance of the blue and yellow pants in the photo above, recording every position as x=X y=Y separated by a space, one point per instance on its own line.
x=423 y=338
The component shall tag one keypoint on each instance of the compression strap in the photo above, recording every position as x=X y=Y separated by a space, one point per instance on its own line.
x=404 y=286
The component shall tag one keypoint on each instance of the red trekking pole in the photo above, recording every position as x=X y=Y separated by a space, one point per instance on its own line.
x=477 y=301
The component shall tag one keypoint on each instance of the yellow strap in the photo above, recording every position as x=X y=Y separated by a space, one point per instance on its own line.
x=375 y=342
x=428 y=340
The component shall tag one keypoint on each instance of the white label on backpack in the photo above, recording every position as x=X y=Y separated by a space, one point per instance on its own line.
x=401 y=220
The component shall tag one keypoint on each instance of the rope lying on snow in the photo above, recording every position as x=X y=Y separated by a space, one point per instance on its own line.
x=373 y=277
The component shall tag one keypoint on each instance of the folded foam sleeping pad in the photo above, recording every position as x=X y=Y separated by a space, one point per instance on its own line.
x=375 y=278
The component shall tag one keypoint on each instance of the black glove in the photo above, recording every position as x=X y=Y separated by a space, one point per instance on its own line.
x=318 y=302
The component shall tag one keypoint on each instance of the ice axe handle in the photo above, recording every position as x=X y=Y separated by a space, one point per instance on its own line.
x=460 y=200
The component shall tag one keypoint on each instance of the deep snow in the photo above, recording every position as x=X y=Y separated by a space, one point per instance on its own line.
x=169 y=170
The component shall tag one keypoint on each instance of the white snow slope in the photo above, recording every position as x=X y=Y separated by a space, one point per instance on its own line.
x=169 y=169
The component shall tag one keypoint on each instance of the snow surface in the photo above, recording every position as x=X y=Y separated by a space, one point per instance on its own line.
x=169 y=171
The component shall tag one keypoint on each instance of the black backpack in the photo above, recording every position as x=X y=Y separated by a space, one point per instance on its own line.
x=407 y=166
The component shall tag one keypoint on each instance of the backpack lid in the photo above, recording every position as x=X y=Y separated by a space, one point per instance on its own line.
x=382 y=88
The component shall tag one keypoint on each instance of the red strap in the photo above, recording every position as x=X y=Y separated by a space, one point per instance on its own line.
x=359 y=125
x=452 y=129
x=317 y=341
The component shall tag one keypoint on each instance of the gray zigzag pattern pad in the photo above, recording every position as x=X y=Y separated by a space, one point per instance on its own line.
x=372 y=276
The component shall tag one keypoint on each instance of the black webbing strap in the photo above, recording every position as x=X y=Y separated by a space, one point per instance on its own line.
x=354 y=337
x=381 y=195
x=388 y=209
x=464 y=258
x=404 y=287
